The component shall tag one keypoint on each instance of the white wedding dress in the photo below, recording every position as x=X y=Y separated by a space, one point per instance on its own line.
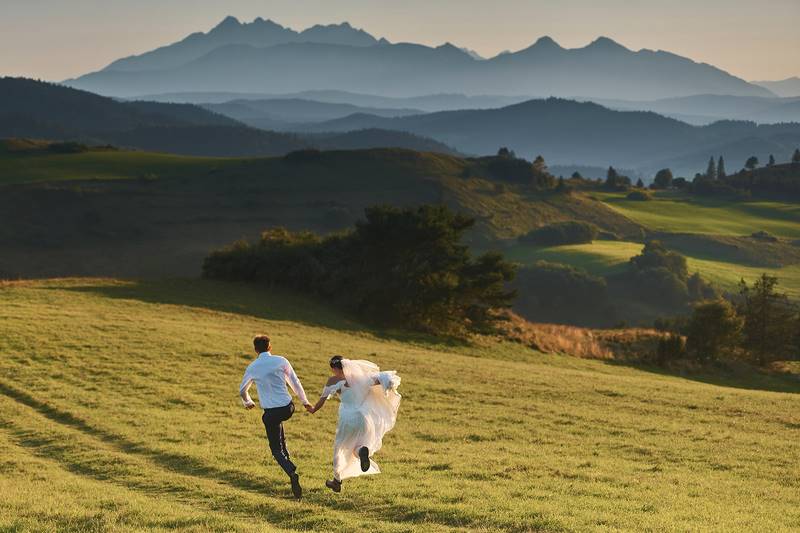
x=368 y=410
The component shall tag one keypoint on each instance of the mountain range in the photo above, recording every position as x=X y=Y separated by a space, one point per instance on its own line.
x=786 y=88
x=585 y=133
x=265 y=57
x=30 y=108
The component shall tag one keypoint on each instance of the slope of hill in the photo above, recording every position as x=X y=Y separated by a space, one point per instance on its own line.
x=707 y=108
x=427 y=103
x=285 y=113
x=31 y=108
x=569 y=132
x=170 y=447
x=787 y=88
x=140 y=214
x=265 y=57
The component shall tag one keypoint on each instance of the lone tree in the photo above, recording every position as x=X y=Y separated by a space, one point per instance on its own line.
x=796 y=157
x=640 y=183
x=771 y=162
x=768 y=319
x=721 y=168
x=505 y=152
x=711 y=171
x=713 y=329
x=663 y=179
x=751 y=163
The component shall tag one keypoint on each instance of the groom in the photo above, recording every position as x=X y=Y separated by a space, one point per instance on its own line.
x=270 y=373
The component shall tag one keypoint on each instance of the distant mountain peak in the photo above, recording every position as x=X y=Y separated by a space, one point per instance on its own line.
x=546 y=42
x=605 y=43
x=228 y=22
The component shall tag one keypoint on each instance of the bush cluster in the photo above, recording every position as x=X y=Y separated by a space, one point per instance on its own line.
x=554 y=292
x=760 y=326
x=398 y=268
x=559 y=233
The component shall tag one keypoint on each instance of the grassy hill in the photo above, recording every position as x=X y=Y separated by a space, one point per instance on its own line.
x=119 y=412
x=142 y=214
x=610 y=257
x=681 y=213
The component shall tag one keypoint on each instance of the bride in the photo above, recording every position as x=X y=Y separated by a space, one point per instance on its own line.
x=368 y=410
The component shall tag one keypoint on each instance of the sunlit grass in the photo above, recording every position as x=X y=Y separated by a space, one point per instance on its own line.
x=674 y=212
x=609 y=257
x=118 y=411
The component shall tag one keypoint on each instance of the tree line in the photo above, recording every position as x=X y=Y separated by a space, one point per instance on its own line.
x=759 y=325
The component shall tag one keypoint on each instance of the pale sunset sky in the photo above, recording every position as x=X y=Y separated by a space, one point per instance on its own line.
x=755 y=40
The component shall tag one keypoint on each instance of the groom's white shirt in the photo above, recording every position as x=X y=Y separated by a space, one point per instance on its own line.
x=270 y=373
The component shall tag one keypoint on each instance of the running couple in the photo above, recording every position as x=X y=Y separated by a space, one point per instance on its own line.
x=368 y=409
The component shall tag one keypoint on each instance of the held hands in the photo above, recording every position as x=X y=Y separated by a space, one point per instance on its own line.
x=249 y=405
x=309 y=408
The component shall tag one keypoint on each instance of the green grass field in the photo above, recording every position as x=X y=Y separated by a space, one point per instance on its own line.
x=31 y=168
x=676 y=212
x=609 y=257
x=119 y=412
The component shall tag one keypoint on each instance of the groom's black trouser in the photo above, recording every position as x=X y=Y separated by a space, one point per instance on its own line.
x=273 y=420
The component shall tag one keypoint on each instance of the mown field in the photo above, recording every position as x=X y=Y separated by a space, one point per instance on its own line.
x=119 y=412
x=609 y=257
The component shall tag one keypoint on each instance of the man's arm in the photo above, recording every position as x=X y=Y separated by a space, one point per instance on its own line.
x=247 y=380
x=294 y=383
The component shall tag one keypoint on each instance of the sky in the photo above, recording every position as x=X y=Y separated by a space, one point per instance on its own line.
x=755 y=40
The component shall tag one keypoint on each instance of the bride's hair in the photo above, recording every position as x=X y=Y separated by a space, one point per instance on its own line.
x=336 y=361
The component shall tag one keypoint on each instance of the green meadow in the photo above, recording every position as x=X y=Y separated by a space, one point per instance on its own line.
x=119 y=412
x=677 y=212
x=610 y=257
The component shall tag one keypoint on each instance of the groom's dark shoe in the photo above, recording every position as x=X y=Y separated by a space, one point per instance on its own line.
x=334 y=484
x=363 y=454
x=297 y=490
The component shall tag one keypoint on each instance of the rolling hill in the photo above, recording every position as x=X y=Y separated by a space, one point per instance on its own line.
x=790 y=87
x=30 y=108
x=707 y=108
x=120 y=213
x=286 y=114
x=567 y=132
x=119 y=412
x=264 y=57
x=426 y=103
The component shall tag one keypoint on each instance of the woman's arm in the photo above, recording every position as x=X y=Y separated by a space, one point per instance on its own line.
x=314 y=408
x=326 y=393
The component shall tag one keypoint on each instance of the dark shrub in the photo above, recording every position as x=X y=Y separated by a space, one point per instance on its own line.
x=699 y=289
x=570 y=232
x=553 y=292
x=641 y=196
x=304 y=156
x=655 y=255
x=714 y=330
x=764 y=236
x=670 y=348
x=660 y=286
x=67 y=148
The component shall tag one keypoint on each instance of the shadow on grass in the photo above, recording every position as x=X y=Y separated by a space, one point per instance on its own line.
x=737 y=377
x=49 y=446
x=254 y=300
